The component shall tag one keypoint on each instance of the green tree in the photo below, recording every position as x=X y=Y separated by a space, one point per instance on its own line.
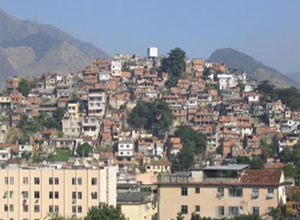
x=243 y=160
x=257 y=164
x=289 y=170
x=58 y=217
x=58 y=115
x=105 y=212
x=155 y=116
x=186 y=157
x=24 y=87
x=187 y=134
x=195 y=216
x=83 y=150
x=174 y=64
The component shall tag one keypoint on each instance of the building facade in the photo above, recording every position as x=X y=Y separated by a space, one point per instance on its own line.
x=34 y=193
x=221 y=191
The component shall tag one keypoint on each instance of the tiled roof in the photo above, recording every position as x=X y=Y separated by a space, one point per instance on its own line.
x=261 y=177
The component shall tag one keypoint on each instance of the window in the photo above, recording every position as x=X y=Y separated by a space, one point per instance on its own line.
x=79 y=194
x=73 y=181
x=79 y=180
x=36 y=194
x=36 y=181
x=73 y=195
x=56 y=181
x=220 y=192
x=56 y=194
x=295 y=206
x=11 y=194
x=184 y=209
x=221 y=211
x=184 y=191
x=11 y=181
x=79 y=209
x=25 y=180
x=255 y=193
x=73 y=209
x=255 y=210
x=25 y=194
x=5 y=208
x=94 y=181
x=50 y=181
x=50 y=208
x=50 y=195
x=197 y=190
x=56 y=209
x=94 y=195
x=233 y=210
x=197 y=208
x=36 y=208
x=235 y=192
x=270 y=194
x=11 y=208
x=6 y=180
x=25 y=208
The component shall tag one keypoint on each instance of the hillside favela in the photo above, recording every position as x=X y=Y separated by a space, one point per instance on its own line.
x=162 y=126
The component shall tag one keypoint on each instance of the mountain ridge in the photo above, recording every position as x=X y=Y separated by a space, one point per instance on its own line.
x=255 y=70
x=28 y=48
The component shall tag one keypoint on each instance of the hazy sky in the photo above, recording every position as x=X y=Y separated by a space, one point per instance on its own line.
x=269 y=30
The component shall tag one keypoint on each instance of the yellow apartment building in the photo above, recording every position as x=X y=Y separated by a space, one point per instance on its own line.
x=220 y=191
x=32 y=193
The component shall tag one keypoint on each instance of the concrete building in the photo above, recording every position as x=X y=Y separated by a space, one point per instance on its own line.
x=137 y=205
x=152 y=52
x=91 y=127
x=33 y=193
x=125 y=147
x=71 y=126
x=97 y=103
x=221 y=191
x=116 y=68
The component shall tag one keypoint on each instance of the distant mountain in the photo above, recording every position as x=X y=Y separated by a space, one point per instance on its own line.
x=295 y=76
x=255 y=69
x=28 y=48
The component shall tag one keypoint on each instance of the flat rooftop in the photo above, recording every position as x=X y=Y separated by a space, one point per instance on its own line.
x=228 y=167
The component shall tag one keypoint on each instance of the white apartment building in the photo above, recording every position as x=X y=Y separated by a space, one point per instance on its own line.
x=125 y=147
x=116 y=67
x=97 y=103
x=226 y=81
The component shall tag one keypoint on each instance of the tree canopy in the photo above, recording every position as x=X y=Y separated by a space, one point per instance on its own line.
x=189 y=136
x=174 y=65
x=289 y=96
x=83 y=150
x=256 y=163
x=193 y=142
x=155 y=116
x=105 y=212
x=24 y=87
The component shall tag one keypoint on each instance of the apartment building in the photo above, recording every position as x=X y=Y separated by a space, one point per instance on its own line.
x=221 y=191
x=32 y=193
x=97 y=102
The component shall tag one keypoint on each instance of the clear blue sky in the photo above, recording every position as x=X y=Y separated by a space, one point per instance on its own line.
x=269 y=30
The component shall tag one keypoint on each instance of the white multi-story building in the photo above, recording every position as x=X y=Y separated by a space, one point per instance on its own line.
x=97 y=103
x=226 y=81
x=125 y=147
x=116 y=67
